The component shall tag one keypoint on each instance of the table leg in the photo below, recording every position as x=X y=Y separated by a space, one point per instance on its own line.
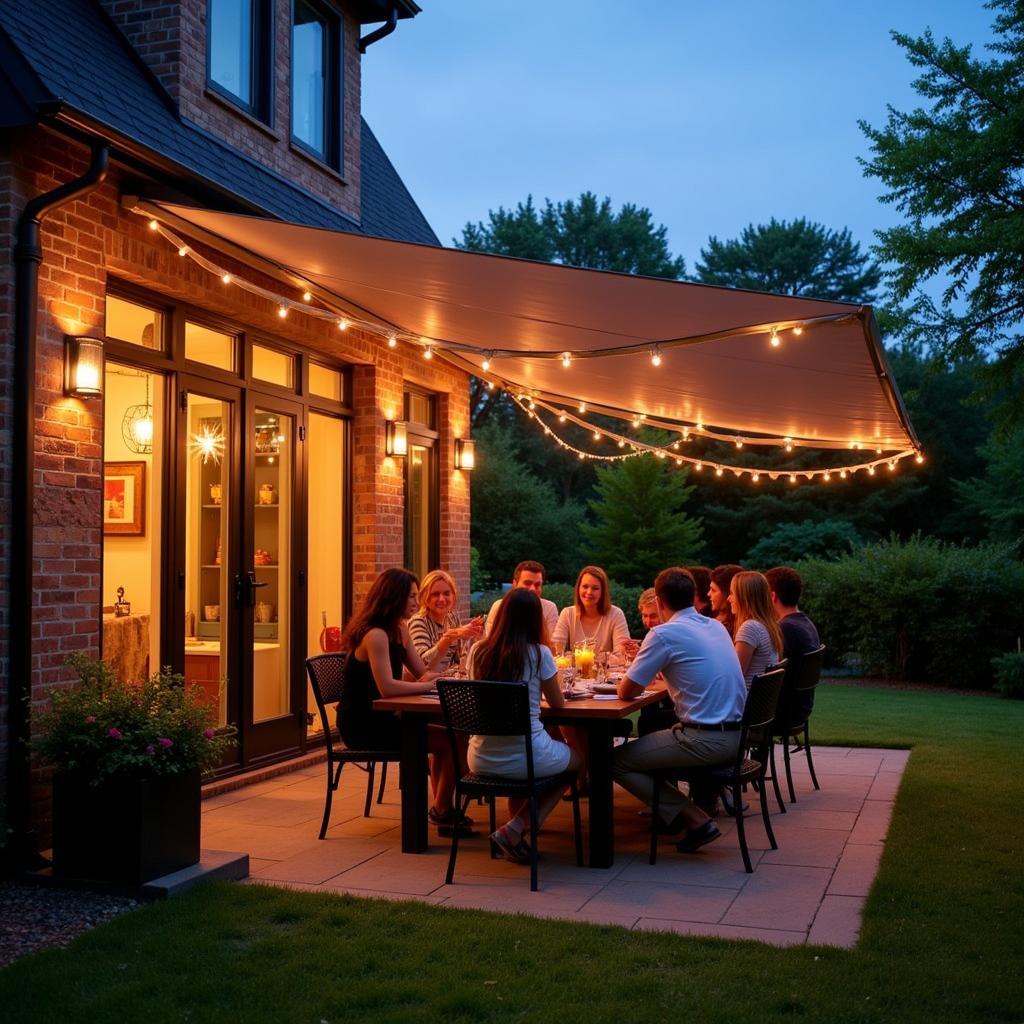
x=413 y=783
x=602 y=811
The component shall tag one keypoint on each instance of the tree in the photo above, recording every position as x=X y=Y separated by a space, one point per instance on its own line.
x=828 y=540
x=640 y=526
x=995 y=498
x=516 y=514
x=956 y=172
x=792 y=258
x=581 y=233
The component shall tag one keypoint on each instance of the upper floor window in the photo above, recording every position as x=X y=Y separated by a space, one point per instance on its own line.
x=238 y=52
x=316 y=80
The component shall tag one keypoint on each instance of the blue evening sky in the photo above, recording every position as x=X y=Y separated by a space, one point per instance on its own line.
x=713 y=115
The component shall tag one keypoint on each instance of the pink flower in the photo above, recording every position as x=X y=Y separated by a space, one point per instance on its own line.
x=90 y=719
x=151 y=749
x=114 y=734
x=209 y=734
x=165 y=742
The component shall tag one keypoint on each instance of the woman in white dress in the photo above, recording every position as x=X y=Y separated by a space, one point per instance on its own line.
x=592 y=619
x=514 y=651
x=758 y=639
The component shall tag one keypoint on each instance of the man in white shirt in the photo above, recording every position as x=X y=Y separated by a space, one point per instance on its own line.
x=530 y=576
x=696 y=656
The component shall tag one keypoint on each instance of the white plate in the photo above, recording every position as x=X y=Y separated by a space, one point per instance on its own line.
x=605 y=696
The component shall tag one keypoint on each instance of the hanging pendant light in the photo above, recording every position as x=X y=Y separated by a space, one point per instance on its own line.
x=137 y=426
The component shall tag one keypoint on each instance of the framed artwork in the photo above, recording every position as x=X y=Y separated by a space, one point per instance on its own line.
x=124 y=498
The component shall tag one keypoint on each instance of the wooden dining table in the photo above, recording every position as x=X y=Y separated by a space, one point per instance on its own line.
x=598 y=719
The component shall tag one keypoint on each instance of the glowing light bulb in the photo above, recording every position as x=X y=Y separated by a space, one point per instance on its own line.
x=739 y=444
x=756 y=478
x=153 y=225
x=798 y=331
x=892 y=464
x=622 y=444
x=679 y=462
x=718 y=472
x=675 y=446
x=582 y=407
x=656 y=356
x=342 y=324
x=485 y=365
x=919 y=458
x=183 y=251
x=282 y=311
x=490 y=385
x=871 y=470
x=597 y=435
x=637 y=420
x=776 y=341
x=226 y=278
x=828 y=478
x=428 y=353
x=842 y=474
x=792 y=478
x=566 y=359
x=699 y=466
x=307 y=296
x=789 y=444
x=392 y=341
x=532 y=404
x=561 y=418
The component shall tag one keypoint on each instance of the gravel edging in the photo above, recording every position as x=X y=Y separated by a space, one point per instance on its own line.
x=36 y=917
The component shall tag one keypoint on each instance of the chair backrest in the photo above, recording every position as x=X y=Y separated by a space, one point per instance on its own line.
x=802 y=676
x=326 y=672
x=487 y=708
x=759 y=710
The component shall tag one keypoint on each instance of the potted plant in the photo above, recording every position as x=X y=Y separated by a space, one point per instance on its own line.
x=128 y=758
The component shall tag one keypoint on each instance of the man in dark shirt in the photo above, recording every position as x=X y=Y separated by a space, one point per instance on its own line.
x=799 y=634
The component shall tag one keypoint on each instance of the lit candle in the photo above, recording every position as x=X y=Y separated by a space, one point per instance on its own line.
x=585 y=662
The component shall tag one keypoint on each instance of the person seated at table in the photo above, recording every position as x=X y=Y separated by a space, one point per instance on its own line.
x=661 y=715
x=648 y=608
x=592 y=620
x=696 y=657
x=378 y=645
x=718 y=594
x=514 y=651
x=529 y=575
x=436 y=628
x=702 y=579
x=757 y=638
x=799 y=634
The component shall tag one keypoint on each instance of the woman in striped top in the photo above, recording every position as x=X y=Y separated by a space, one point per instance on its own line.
x=436 y=628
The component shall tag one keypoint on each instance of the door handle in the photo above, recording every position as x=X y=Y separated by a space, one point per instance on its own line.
x=252 y=585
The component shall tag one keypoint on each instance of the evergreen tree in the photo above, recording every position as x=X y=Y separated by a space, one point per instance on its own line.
x=640 y=524
x=792 y=258
x=955 y=169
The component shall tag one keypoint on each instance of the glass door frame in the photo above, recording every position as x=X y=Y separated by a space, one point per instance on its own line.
x=286 y=734
x=231 y=558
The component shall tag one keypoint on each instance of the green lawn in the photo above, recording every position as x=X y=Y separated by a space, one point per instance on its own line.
x=943 y=937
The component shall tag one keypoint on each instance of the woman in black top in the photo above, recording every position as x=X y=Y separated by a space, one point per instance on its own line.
x=379 y=648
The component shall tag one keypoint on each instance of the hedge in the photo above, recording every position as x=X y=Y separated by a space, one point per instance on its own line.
x=918 y=609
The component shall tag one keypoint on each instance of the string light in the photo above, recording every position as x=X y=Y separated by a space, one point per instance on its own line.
x=282 y=311
x=739 y=444
x=153 y=225
x=637 y=420
x=226 y=278
x=798 y=330
x=656 y=356
x=428 y=352
x=566 y=359
x=392 y=341
x=788 y=441
x=342 y=324
x=582 y=407
x=307 y=296
x=485 y=364
x=776 y=341
x=183 y=250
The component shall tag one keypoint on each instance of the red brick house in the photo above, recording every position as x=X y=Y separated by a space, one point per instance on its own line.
x=229 y=470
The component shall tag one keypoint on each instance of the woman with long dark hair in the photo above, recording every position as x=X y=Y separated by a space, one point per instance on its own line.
x=718 y=592
x=379 y=648
x=515 y=651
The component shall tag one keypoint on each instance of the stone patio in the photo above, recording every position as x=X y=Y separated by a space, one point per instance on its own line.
x=812 y=889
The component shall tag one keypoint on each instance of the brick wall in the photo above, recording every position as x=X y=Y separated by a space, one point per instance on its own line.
x=93 y=240
x=171 y=39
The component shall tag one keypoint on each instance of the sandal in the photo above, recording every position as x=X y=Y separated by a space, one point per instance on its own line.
x=517 y=851
x=447 y=822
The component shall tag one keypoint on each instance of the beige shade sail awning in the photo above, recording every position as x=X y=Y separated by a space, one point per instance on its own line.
x=827 y=382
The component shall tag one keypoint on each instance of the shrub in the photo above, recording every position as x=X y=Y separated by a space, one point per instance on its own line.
x=104 y=727
x=918 y=609
x=1010 y=674
x=793 y=542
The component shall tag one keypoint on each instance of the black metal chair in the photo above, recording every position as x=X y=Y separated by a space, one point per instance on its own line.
x=748 y=766
x=803 y=673
x=473 y=707
x=325 y=675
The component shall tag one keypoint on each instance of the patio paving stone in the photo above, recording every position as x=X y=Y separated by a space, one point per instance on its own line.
x=812 y=889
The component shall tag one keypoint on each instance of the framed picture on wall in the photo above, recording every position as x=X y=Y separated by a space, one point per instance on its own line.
x=124 y=498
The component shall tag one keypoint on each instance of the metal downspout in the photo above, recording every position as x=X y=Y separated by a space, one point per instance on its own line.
x=28 y=255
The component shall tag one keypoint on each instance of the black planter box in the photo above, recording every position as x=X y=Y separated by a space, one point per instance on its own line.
x=126 y=830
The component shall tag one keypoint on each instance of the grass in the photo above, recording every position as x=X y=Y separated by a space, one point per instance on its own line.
x=942 y=937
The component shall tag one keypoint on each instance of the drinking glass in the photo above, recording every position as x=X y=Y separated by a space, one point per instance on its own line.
x=568 y=680
x=583 y=656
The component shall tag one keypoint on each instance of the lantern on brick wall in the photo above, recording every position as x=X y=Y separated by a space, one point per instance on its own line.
x=83 y=367
x=465 y=454
x=396 y=439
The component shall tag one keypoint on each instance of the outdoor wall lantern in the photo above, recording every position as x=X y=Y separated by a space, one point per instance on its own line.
x=465 y=454
x=396 y=439
x=83 y=367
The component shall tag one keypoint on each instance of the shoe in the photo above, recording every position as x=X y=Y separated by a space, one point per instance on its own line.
x=515 y=850
x=446 y=824
x=697 y=837
x=669 y=828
